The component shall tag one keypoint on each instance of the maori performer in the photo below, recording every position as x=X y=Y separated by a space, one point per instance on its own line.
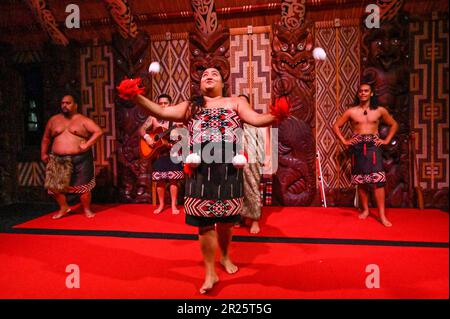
x=70 y=163
x=367 y=164
x=164 y=169
x=213 y=190
x=255 y=147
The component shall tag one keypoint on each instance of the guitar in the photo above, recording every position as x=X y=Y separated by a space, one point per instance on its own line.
x=159 y=137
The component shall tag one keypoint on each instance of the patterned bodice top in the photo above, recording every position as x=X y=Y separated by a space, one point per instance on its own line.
x=214 y=125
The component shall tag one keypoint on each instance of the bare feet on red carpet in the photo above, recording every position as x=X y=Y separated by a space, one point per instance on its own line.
x=229 y=266
x=364 y=214
x=386 y=222
x=175 y=211
x=210 y=281
x=254 y=229
x=88 y=213
x=158 y=210
x=61 y=213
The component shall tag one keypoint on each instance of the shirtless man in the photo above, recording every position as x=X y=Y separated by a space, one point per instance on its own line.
x=70 y=136
x=367 y=162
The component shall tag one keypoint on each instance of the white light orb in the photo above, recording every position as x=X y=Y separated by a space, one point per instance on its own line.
x=154 y=67
x=319 y=54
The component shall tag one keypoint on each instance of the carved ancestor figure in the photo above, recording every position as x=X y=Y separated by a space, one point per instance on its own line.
x=293 y=75
x=209 y=45
x=131 y=60
x=209 y=51
x=385 y=65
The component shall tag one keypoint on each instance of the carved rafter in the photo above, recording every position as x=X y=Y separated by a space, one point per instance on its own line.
x=293 y=13
x=47 y=21
x=121 y=14
x=205 y=15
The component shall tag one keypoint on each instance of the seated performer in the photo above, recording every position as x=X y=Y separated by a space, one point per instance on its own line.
x=164 y=169
x=213 y=190
x=367 y=161
x=70 y=164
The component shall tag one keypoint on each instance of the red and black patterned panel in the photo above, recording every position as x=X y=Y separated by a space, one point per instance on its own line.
x=215 y=125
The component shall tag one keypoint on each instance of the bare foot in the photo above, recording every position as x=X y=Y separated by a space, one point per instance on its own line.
x=158 y=210
x=229 y=266
x=385 y=222
x=363 y=215
x=210 y=281
x=254 y=229
x=175 y=211
x=88 y=213
x=61 y=213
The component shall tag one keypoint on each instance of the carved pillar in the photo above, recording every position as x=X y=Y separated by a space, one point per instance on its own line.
x=209 y=44
x=293 y=75
x=131 y=60
x=385 y=64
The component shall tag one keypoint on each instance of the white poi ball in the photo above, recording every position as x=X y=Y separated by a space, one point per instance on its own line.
x=319 y=54
x=239 y=161
x=154 y=67
x=193 y=160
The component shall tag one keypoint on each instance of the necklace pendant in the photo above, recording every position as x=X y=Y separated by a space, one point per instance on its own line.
x=365 y=112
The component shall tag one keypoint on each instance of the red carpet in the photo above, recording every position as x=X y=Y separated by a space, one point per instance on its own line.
x=33 y=265
x=335 y=222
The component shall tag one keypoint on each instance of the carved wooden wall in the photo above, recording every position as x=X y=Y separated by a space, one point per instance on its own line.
x=131 y=59
x=10 y=126
x=385 y=64
x=337 y=81
x=293 y=74
x=405 y=60
x=97 y=103
x=209 y=44
x=430 y=106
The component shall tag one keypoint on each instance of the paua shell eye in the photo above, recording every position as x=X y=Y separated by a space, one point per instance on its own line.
x=300 y=46
x=284 y=47
x=379 y=43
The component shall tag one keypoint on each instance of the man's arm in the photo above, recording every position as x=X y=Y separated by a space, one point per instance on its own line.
x=144 y=129
x=344 y=118
x=46 y=141
x=146 y=126
x=95 y=132
x=248 y=115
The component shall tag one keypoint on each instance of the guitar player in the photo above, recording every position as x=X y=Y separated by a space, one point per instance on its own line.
x=164 y=170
